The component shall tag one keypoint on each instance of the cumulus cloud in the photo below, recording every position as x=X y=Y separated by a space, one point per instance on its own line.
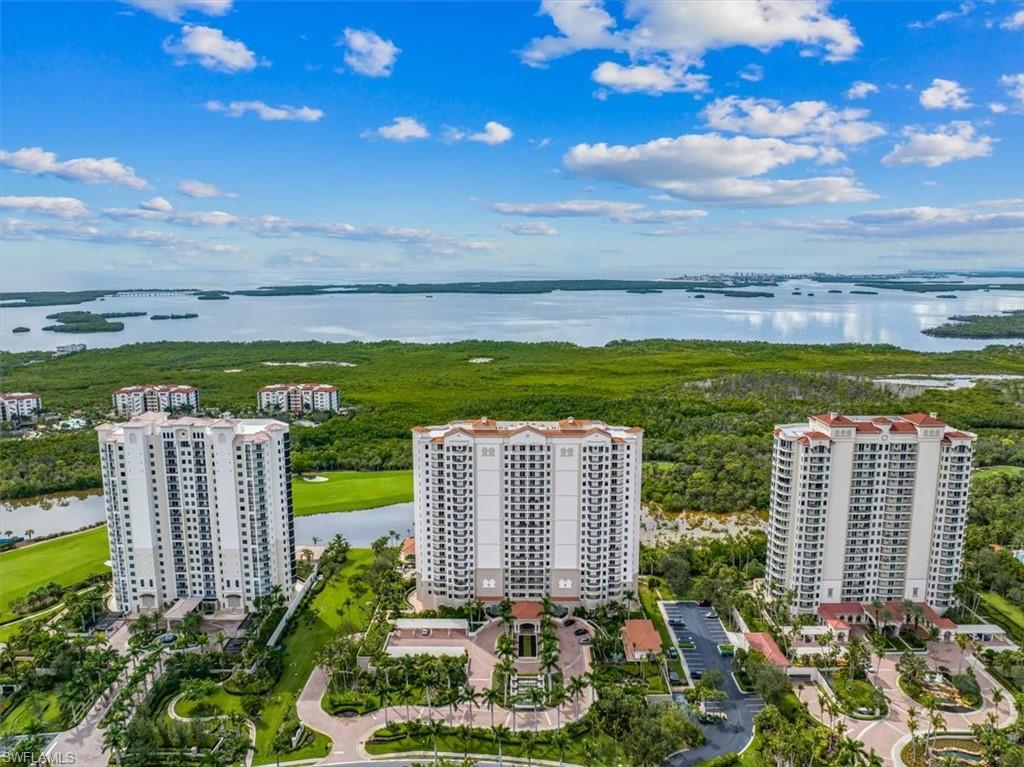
x=619 y=212
x=401 y=129
x=493 y=133
x=58 y=207
x=996 y=107
x=991 y=216
x=368 y=53
x=963 y=9
x=813 y=121
x=1013 y=21
x=652 y=79
x=264 y=111
x=956 y=141
x=89 y=170
x=193 y=188
x=173 y=10
x=161 y=204
x=752 y=73
x=530 y=228
x=714 y=168
x=19 y=229
x=209 y=48
x=944 y=94
x=860 y=90
x=1014 y=85
x=664 y=40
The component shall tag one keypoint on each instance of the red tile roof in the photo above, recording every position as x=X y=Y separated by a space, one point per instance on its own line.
x=921 y=419
x=765 y=644
x=527 y=610
x=408 y=546
x=640 y=636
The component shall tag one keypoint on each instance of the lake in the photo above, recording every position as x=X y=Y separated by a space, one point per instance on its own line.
x=586 y=318
x=65 y=512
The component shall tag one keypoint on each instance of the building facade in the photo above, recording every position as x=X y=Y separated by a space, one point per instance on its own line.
x=19 y=405
x=299 y=398
x=526 y=510
x=133 y=400
x=197 y=508
x=868 y=507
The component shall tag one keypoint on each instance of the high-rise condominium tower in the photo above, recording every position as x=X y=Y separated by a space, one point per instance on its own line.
x=197 y=508
x=526 y=510
x=866 y=508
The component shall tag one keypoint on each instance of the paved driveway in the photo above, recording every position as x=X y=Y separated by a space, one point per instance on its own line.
x=739 y=708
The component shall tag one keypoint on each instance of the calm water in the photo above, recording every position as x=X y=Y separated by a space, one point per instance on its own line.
x=64 y=512
x=585 y=318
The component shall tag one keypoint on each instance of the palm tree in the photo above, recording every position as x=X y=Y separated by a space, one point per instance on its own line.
x=561 y=740
x=115 y=739
x=912 y=725
x=30 y=533
x=434 y=729
x=529 y=745
x=576 y=687
x=535 y=696
x=997 y=697
x=490 y=696
x=557 y=698
x=384 y=690
x=499 y=732
x=851 y=753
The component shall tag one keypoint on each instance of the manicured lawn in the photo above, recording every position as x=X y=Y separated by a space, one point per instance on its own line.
x=856 y=694
x=995 y=470
x=1005 y=613
x=479 y=742
x=36 y=706
x=314 y=626
x=350 y=490
x=66 y=560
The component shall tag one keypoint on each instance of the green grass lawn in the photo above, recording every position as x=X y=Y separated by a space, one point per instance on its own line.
x=66 y=560
x=1005 y=613
x=313 y=628
x=37 y=706
x=991 y=471
x=479 y=742
x=350 y=490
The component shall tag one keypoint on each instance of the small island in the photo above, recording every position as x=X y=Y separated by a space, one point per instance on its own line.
x=20 y=329
x=641 y=291
x=945 y=295
x=1009 y=324
x=186 y=316
x=835 y=291
x=863 y=292
x=212 y=295
x=88 y=322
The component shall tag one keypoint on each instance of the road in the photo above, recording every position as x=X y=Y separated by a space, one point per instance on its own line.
x=739 y=708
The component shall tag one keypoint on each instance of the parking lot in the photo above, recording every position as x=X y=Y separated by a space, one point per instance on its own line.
x=690 y=624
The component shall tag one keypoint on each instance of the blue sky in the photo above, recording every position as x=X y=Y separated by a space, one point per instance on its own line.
x=203 y=141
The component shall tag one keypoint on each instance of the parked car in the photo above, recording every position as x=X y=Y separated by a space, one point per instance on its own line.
x=569 y=622
x=673 y=653
x=673 y=677
x=585 y=640
x=424 y=632
x=711 y=614
x=580 y=632
x=704 y=602
x=695 y=675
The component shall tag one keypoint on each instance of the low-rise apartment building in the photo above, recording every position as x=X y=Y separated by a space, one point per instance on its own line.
x=868 y=507
x=19 y=406
x=299 y=398
x=154 y=398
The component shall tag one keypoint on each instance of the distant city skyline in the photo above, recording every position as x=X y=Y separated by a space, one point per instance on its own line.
x=208 y=142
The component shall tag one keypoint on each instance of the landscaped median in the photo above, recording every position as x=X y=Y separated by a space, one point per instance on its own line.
x=858 y=697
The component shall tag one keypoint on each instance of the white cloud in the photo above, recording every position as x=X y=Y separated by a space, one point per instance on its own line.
x=193 y=188
x=183 y=218
x=173 y=10
x=663 y=40
x=19 y=229
x=652 y=79
x=752 y=73
x=89 y=170
x=955 y=141
x=1014 y=85
x=923 y=221
x=963 y=9
x=266 y=112
x=813 y=121
x=530 y=228
x=1013 y=21
x=619 y=212
x=713 y=168
x=59 y=207
x=211 y=50
x=861 y=89
x=996 y=107
x=368 y=53
x=493 y=133
x=161 y=204
x=944 y=94
x=401 y=129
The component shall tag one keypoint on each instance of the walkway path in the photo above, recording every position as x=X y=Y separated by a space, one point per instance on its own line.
x=888 y=735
